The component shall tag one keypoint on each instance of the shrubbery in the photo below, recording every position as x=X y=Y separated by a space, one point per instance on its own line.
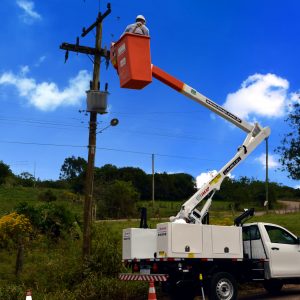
x=116 y=199
x=51 y=219
x=59 y=273
x=12 y=227
x=47 y=196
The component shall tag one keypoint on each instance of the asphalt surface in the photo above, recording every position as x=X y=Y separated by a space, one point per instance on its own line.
x=289 y=292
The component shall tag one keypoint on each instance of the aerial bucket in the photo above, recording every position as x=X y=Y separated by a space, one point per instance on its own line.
x=131 y=57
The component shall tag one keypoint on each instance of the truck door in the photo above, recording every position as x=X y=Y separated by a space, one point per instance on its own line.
x=284 y=252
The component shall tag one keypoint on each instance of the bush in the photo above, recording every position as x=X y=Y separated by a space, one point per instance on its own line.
x=12 y=292
x=116 y=200
x=12 y=228
x=51 y=219
x=94 y=288
x=47 y=196
x=106 y=257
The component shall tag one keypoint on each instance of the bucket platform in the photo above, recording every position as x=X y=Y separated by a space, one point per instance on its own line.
x=131 y=56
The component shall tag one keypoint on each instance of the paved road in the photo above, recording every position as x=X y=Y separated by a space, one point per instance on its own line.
x=289 y=292
x=288 y=207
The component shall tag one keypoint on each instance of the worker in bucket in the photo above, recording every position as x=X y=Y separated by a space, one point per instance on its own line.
x=138 y=27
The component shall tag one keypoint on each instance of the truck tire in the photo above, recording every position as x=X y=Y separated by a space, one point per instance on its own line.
x=273 y=286
x=223 y=286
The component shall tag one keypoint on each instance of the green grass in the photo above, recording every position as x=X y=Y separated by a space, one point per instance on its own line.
x=291 y=221
x=165 y=209
x=51 y=269
x=11 y=197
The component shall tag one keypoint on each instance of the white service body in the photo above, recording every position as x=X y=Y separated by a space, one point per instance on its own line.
x=175 y=240
x=138 y=243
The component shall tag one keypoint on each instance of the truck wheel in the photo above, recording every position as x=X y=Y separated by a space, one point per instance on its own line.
x=223 y=286
x=273 y=286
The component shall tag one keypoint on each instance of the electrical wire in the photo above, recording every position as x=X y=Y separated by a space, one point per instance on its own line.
x=52 y=124
x=42 y=144
x=107 y=149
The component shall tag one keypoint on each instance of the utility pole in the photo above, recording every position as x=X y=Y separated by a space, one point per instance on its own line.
x=153 y=182
x=267 y=175
x=94 y=92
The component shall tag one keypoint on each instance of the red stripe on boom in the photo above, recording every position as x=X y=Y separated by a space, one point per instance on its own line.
x=167 y=79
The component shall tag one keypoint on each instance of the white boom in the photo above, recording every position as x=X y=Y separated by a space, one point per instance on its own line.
x=256 y=134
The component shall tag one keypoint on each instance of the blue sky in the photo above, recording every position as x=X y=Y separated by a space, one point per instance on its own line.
x=241 y=54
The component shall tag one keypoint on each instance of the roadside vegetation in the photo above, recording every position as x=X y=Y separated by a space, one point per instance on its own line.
x=41 y=226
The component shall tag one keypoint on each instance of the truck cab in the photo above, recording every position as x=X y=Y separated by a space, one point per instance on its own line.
x=277 y=245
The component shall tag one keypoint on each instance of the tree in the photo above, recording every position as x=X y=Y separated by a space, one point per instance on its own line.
x=73 y=171
x=4 y=172
x=72 y=168
x=116 y=199
x=107 y=173
x=290 y=145
x=140 y=180
x=26 y=179
x=14 y=229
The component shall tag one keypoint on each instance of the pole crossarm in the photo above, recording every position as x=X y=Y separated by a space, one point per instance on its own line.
x=84 y=49
x=99 y=20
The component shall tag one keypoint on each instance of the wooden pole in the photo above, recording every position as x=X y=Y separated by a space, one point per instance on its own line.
x=86 y=249
x=153 y=182
x=267 y=175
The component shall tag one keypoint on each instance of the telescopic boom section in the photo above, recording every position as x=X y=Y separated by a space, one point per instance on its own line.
x=131 y=57
x=198 y=97
x=256 y=134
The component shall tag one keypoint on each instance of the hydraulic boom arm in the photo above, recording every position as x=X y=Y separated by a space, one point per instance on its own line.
x=131 y=57
x=255 y=135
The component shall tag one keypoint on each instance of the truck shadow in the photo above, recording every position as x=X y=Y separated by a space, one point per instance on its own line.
x=288 y=293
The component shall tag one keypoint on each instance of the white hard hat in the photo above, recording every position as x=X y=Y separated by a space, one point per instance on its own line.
x=140 y=17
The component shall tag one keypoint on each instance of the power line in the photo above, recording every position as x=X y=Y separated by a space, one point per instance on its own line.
x=37 y=123
x=172 y=136
x=42 y=144
x=32 y=121
x=108 y=149
x=154 y=112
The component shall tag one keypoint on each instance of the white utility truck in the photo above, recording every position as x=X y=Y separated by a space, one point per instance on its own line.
x=187 y=252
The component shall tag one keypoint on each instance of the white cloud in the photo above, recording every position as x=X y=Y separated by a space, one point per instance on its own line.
x=40 y=61
x=47 y=96
x=297 y=187
x=260 y=95
x=272 y=161
x=203 y=178
x=24 y=70
x=29 y=14
x=231 y=176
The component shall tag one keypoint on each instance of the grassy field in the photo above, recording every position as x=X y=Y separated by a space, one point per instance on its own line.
x=54 y=269
x=11 y=197
x=162 y=209
x=290 y=221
